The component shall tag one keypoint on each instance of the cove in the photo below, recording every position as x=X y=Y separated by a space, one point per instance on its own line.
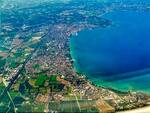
x=118 y=56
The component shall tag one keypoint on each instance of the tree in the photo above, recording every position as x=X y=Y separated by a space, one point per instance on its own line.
x=40 y=81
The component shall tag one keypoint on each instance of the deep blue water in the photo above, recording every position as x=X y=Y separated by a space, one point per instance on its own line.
x=117 y=56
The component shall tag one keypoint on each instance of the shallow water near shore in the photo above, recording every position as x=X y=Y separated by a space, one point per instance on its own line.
x=117 y=56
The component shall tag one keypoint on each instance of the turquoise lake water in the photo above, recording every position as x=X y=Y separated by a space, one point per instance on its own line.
x=117 y=56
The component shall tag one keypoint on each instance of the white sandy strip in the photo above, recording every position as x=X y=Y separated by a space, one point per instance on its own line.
x=139 y=110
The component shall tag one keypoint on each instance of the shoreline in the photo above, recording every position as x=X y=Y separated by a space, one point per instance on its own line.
x=96 y=85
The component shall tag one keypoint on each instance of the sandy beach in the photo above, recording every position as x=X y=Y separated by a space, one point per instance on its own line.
x=139 y=110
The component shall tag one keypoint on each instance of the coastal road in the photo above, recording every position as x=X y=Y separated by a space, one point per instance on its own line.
x=139 y=110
